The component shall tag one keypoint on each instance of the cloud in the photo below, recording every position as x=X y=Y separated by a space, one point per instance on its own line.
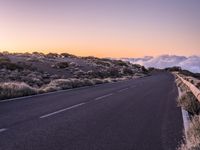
x=191 y=63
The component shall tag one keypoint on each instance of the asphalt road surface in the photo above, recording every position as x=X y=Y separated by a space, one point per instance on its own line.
x=139 y=114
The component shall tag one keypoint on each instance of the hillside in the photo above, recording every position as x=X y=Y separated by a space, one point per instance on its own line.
x=50 y=72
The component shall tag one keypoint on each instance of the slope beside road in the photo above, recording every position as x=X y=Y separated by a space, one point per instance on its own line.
x=139 y=114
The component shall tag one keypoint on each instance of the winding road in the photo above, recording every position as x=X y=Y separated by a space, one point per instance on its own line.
x=139 y=114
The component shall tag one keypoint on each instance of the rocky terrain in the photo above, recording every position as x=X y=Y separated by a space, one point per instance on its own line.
x=49 y=72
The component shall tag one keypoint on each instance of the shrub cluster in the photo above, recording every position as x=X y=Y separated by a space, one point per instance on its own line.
x=61 y=65
x=193 y=135
x=50 y=72
x=189 y=102
x=15 y=89
x=61 y=84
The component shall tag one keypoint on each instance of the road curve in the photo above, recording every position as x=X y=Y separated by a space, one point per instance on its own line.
x=137 y=114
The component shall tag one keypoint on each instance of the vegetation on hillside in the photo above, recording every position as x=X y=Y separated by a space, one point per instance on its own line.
x=22 y=73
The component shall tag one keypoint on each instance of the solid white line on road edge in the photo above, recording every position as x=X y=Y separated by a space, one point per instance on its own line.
x=186 y=121
x=101 y=97
x=36 y=95
x=123 y=90
x=61 y=110
x=2 y=130
x=49 y=93
x=185 y=115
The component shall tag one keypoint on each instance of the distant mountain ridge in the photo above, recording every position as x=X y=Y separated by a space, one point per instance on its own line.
x=191 y=63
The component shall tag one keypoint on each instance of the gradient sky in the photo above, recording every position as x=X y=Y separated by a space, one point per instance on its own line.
x=104 y=28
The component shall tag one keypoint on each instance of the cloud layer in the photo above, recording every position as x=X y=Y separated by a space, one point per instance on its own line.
x=191 y=63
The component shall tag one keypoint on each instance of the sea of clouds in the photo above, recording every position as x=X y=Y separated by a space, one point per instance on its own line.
x=191 y=63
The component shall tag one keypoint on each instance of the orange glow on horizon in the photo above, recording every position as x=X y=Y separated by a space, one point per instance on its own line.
x=96 y=28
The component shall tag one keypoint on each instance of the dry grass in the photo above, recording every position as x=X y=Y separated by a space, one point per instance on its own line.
x=193 y=135
x=15 y=89
x=19 y=89
x=56 y=85
x=189 y=102
x=22 y=73
x=4 y=59
x=61 y=84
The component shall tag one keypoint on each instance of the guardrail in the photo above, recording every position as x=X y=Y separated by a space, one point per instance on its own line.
x=193 y=88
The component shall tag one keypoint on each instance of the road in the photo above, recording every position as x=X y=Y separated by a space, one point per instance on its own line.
x=139 y=114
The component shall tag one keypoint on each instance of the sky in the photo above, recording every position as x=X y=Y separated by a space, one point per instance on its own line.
x=103 y=28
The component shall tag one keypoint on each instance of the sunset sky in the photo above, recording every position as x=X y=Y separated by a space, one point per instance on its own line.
x=103 y=28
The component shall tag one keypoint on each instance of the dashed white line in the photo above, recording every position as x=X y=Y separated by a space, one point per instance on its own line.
x=123 y=90
x=101 y=97
x=61 y=110
x=2 y=130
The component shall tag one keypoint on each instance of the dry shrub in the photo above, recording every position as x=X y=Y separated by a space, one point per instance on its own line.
x=4 y=59
x=61 y=84
x=62 y=65
x=193 y=135
x=198 y=85
x=33 y=59
x=189 y=102
x=15 y=89
x=57 y=84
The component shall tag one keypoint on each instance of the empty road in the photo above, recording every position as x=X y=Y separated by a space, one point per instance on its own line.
x=139 y=114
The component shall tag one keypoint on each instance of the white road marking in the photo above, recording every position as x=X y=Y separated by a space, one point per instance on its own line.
x=186 y=120
x=49 y=93
x=2 y=130
x=101 y=97
x=185 y=115
x=61 y=110
x=123 y=90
